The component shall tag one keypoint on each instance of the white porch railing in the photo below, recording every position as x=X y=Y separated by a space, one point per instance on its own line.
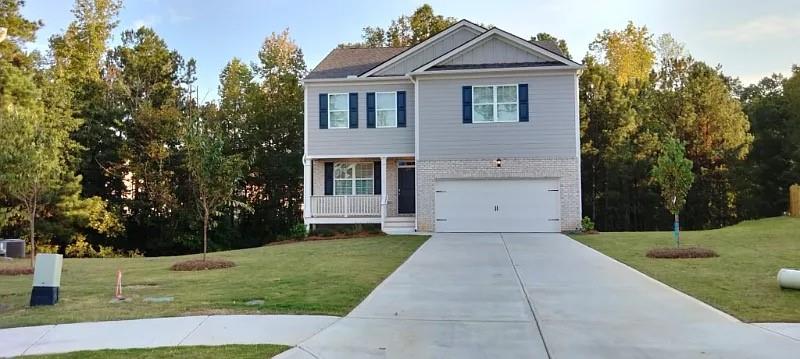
x=346 y=206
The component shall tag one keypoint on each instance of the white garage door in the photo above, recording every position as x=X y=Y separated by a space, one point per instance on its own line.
x=492 y=205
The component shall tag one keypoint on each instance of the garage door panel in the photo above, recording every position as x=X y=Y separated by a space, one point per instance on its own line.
x=490 y=205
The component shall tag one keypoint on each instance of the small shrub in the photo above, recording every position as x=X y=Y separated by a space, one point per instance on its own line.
x=587 y=225
x=80 y=248
x=199 y=264
x=16 y=271
x=298 y=231
x=686 y=252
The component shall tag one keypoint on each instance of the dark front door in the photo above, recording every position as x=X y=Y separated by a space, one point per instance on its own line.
x=405 y=190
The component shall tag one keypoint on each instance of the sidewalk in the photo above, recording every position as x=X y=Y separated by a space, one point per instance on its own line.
x=160 y=332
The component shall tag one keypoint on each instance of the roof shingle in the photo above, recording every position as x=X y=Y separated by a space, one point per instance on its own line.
x=343 y=62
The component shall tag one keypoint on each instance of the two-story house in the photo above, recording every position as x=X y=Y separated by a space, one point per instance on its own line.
x=472 y=130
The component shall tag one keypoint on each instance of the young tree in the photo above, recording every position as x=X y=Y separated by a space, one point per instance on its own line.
x=35 y=122
x=214 y=174
x=673 y=173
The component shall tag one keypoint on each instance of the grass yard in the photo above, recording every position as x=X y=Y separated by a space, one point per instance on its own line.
x=313 y=277
x=195 y=352
x=741 y=281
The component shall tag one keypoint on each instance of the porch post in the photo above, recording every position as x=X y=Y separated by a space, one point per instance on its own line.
x=307 y=210
x=383 y=191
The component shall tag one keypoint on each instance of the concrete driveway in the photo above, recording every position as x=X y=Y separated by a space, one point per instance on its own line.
x=532 y=296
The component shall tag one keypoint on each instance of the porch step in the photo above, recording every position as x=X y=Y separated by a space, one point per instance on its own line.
x=399 y=225
x=400 y=220
x=404 y=230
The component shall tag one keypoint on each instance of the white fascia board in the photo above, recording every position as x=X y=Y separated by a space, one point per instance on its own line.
x=371 y=155
x=510 y=71
x=423 y=44
x=351 y=80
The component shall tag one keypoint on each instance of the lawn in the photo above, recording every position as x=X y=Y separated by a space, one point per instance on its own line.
x=313 y=277
x=195 y=352
x=741 y=281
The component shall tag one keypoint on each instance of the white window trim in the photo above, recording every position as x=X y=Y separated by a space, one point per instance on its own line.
x=495 y=103
x=354 y=179
x=394 y=93
x=347 y=111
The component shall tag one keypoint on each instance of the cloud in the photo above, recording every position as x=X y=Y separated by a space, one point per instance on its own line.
x=770 y=26
x=177 y=18
x=148 y=21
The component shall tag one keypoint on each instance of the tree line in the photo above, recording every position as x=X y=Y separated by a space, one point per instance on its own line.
x=108 y=151
x=105 y=150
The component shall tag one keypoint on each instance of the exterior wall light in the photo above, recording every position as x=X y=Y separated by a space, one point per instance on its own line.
x=499 y=162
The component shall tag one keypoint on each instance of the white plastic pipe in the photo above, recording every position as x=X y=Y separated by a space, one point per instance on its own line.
x=789 y=278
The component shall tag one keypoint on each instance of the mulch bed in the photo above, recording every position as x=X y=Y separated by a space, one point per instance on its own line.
x=16 y=271
x=199 y=264
x=326 y=238
x=685 y=252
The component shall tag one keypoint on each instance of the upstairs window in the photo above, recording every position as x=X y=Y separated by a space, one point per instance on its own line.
x=338 y=110
x=495 y=104
x=353 y=178
x=386 y=109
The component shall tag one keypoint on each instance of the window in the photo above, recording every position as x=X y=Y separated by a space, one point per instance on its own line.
x=495 y=104
x=338 y=110
x=386 y=109
x=353 y=178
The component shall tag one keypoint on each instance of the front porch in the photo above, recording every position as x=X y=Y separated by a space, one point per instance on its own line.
x=355 y=190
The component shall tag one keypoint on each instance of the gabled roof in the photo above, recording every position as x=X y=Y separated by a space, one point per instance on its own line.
x=414 y=49
x=365 y=62
x=549 y=45
x=344 y=62
x=532 y=47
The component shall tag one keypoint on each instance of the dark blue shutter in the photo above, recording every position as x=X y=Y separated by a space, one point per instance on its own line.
x=376 y=176
x=329 y=178
x=522 y=96
x=401 y=109
x=370 y=110
x=466 y=104
x=323 y=110
x=353 y=110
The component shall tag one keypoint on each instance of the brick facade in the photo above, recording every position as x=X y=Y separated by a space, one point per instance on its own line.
x=565 y=169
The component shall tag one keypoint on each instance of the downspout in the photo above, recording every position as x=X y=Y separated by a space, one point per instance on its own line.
x=307 y=210
x=416 y=148
x=578 y=143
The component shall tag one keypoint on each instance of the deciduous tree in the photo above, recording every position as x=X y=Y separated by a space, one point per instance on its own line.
x=673 y=173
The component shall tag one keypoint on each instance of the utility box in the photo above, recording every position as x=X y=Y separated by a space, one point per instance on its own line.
x=46 y=279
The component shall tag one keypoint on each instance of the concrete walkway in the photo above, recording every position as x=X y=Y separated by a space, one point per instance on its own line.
x=532 y=296
x=161 y=332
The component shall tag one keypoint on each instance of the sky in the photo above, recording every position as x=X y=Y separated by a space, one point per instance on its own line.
x=750 y=39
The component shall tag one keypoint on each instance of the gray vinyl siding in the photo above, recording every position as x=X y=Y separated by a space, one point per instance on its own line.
x=494 y=50
x=361 y=140
x=551 y=132
x=430 y=52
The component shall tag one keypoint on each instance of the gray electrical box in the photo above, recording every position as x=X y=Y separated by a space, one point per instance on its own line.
x=46 y=279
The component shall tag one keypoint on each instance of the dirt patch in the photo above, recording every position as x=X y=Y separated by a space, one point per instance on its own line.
x=686 y=252
x=16 y=271
x=199 y=264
